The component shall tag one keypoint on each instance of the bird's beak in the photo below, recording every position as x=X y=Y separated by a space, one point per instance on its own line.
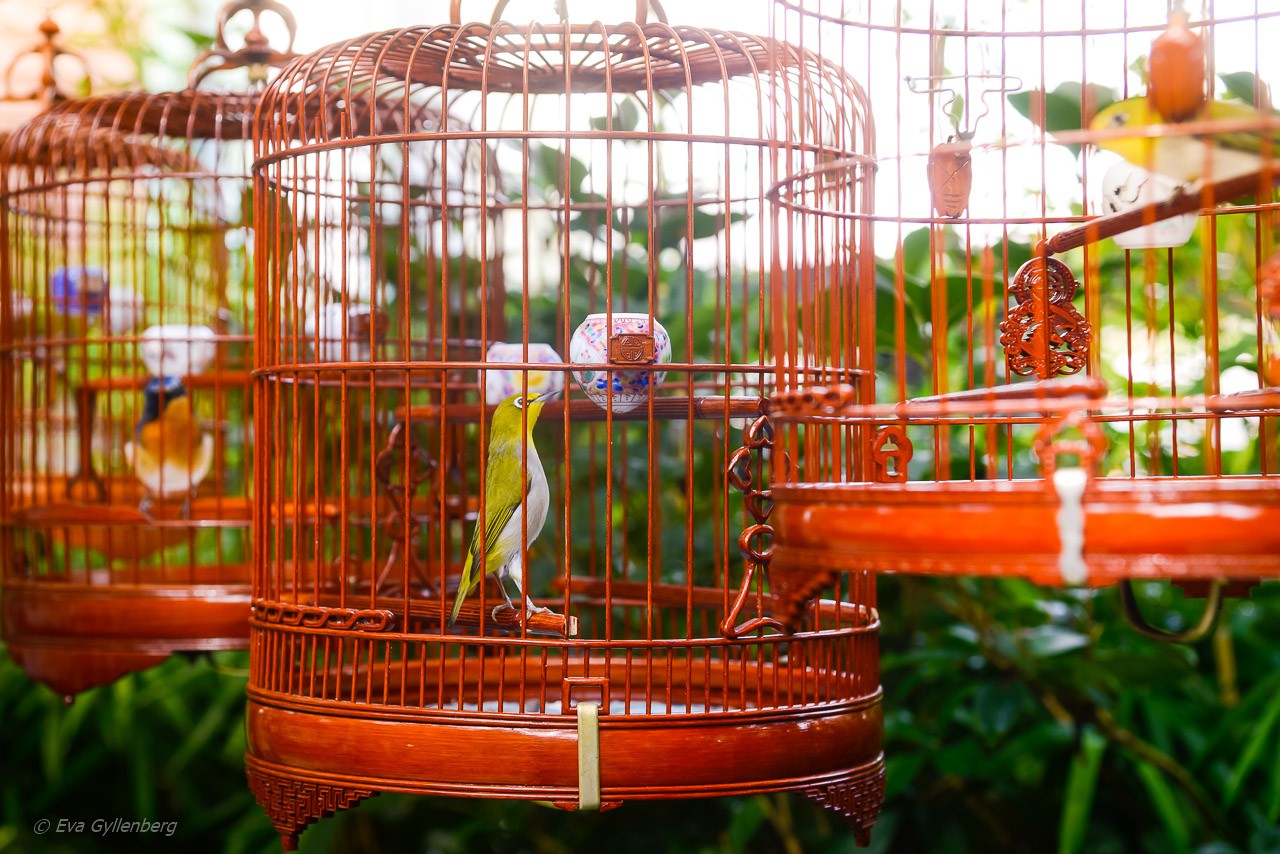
x=547 y=395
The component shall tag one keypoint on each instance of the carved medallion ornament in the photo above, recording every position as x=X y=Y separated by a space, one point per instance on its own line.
x=1043 y=334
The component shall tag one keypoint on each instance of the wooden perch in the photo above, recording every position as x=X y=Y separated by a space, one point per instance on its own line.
x=1187 y=201
x=211 y=379
x=427 y=610
x=546 y=623
x=1244 y=401
x=636 y=593
x=1091 y=388
x=664 y=408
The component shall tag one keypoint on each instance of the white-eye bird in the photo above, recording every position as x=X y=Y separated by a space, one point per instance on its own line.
x=170 y=453
x=507 y=489
x=1184 y=157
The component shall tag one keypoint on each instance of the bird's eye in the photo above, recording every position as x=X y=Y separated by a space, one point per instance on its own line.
x=1119 y=120
x=519 y=402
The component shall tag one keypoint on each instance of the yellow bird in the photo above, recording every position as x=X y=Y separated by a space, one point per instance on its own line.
x=170 y=454
x=507 y=489
x=1186 y=157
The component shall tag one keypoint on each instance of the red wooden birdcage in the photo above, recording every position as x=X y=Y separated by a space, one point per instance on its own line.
x=527 y=208
x=125 y=325
x=1073 y=376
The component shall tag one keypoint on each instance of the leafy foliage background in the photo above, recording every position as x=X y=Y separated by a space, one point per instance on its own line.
x=1017 y=719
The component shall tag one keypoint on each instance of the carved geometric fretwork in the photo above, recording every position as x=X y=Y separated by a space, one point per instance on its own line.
x=321 y=617
x=857 y=801
x=293 y=804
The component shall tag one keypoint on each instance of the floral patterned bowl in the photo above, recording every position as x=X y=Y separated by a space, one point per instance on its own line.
x=628 y=387
x=501 y=383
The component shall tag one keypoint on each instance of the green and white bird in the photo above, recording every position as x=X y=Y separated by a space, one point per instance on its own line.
x=1186 y=157
x=504 y=500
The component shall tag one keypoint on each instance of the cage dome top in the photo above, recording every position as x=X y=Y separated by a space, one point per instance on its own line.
x=327 y=92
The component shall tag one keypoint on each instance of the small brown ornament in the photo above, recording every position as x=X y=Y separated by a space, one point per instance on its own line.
x=1269 y=285
x=1177 y=68
x=951 y=176
x=1269 y=293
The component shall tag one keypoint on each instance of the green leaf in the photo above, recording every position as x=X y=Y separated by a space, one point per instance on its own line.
x=1140 y=70
x=745 y=821
x=1253 y=749
x=996 y=706
x=915 y=253
x=1068 y=107
x=1273 y=810
x=1166 y=805
x=202 y=41
x=1048 y=640
x=1082 y=784
x=625 y=117
x=1246 y=86
x=901 y=771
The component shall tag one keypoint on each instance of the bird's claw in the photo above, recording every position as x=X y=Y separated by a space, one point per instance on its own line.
x=530 y=609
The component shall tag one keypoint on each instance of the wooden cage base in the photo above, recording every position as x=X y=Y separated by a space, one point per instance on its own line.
x=306 y=762
x=73 y=636
x=1186 y=528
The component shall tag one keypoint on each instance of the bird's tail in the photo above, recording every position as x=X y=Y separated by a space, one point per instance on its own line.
x=464 y=585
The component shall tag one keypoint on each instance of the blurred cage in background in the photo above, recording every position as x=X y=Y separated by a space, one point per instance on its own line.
x=1074 y=365
x=494 y=211
x=125 y=321
x=39 y=76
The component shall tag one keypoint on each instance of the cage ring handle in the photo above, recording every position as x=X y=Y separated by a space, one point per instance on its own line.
x=643 y=7
x=48 y=51
x=256 y=53
x=1208 y=619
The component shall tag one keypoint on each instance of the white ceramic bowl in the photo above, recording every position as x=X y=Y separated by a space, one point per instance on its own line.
x=501 y=383
x=1126 y=187
x=627 y=387
x=177 y=349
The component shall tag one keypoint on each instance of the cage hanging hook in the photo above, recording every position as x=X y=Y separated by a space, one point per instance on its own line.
x=1208 y=619
x=561 y=7
x=933 y=85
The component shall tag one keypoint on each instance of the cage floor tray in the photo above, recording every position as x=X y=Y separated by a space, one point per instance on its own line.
x=73 y=636
x=1176 y=528
x=666 y=746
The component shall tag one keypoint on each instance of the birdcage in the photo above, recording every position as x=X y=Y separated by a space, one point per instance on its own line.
x=1073 y=379
x=126 y=330
x=650 y=281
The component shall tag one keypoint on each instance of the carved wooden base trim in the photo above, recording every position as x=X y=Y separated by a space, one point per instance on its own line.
x=857 y=801
x=293 y=804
